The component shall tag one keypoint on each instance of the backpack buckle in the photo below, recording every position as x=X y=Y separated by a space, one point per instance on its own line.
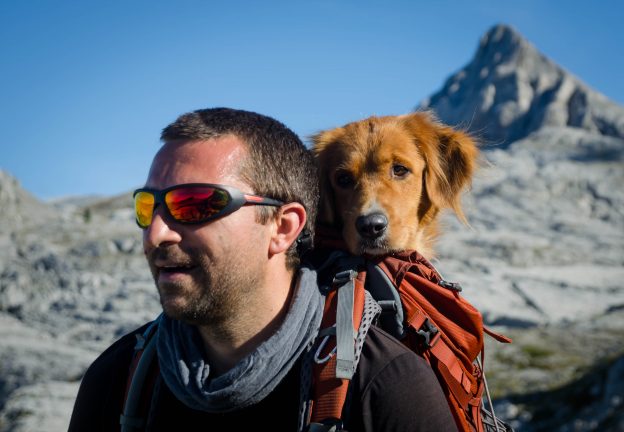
x=429 y=333
x=453 y=286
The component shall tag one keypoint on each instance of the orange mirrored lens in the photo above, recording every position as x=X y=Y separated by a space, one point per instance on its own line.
x=195 y=204
x=144 y=208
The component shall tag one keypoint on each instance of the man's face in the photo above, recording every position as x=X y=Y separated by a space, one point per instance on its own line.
x=207 y=272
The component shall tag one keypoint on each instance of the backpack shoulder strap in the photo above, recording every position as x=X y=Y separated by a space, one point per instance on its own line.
x=144 y=354
x=348 y=307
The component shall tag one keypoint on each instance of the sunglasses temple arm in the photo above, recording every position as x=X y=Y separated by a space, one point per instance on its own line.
x=259 y=200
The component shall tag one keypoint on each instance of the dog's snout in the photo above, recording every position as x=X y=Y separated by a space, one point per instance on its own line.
x=372 y=226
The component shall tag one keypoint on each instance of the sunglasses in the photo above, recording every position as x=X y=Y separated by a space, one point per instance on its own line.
x=194 y=203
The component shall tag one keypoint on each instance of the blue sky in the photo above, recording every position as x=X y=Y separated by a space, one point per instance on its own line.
x=86 y=86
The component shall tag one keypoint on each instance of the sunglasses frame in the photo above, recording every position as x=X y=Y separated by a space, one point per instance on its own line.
x=237 y=200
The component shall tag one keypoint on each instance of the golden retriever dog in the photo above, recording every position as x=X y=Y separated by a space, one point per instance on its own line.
x=384 y=180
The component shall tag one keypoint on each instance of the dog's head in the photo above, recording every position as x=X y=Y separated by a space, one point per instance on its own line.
x=384 y=180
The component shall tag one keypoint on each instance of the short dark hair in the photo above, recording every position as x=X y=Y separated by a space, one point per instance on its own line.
x=278 y=165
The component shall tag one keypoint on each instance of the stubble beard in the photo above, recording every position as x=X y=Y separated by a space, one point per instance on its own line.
x=218 y=291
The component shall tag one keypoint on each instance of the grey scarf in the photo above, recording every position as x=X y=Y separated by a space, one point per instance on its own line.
x=187 y=374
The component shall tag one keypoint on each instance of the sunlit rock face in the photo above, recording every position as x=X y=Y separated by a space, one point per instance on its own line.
x=510 y=90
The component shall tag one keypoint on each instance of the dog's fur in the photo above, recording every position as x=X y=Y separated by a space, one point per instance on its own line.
x=401 y=169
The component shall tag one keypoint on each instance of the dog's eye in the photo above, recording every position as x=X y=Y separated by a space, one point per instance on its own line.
x=344 y=179
x=399 y=170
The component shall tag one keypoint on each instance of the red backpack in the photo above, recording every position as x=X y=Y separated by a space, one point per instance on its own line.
x=419 y=308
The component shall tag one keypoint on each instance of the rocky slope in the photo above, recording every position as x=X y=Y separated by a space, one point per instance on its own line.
x=543 y=258
x=71 y=280
x=545 y=253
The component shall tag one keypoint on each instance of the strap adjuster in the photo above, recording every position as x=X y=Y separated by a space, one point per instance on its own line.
x=344 y=276
x=429 y=333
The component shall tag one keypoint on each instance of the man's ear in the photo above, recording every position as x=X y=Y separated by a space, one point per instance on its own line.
x=323 y=144
x=289 y=222
x=450 y=157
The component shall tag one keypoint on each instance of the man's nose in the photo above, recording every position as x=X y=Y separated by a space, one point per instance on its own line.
x=160 y=232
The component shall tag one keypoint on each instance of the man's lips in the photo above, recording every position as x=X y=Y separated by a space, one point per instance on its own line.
x=166 y=264
x=174 y=268
x=170 y=271
x=170 y=263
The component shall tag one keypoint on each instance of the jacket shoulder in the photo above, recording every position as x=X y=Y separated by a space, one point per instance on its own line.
x=396 y=389
x=102 y=389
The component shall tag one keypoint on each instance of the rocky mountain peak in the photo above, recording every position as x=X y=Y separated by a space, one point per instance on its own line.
x=509 y=90
x=503 y=44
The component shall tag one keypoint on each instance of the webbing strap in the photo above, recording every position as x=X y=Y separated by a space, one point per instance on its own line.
x=456 y=379
x=499 y=337
x=345 y=355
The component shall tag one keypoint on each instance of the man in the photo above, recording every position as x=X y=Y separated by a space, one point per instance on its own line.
x=226 y=198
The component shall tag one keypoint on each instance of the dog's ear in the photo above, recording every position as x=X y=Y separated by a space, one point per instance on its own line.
x=323 y=144
x=450 y=156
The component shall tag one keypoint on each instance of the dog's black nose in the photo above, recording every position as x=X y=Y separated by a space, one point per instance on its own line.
x=372 y=226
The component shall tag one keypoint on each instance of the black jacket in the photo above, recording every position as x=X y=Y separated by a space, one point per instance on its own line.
x=393 y=390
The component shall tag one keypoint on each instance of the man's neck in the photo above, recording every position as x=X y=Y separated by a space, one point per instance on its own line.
x=257 y=320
